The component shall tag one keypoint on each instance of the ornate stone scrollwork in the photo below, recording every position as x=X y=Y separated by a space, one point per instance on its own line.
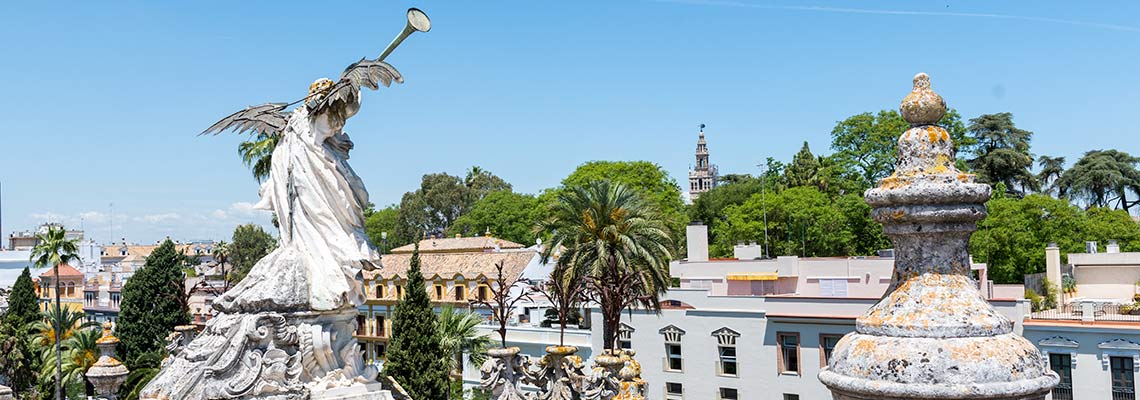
x=559 y=375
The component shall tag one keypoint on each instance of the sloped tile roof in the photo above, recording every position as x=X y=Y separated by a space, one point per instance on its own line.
x=461 y=244
x=449 y=265
x=65 y=271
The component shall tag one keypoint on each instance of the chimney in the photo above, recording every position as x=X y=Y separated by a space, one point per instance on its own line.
x=1053 y=264
x=1090 y=247
x=1112 y=247
x=697 y=241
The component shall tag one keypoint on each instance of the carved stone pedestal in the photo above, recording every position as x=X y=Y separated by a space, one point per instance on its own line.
x=279 y=356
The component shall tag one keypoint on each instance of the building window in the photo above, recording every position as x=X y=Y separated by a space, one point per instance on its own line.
x=1062 y=364
x=826 y=346
x=789 y=355
x=728 y=394
x=379 y=293
x=1123 y=382
x=438 y=292
x=379 y=328
x=360 y=325
x=789 y=396
x=833 y=287
x=482 y=293
x=399 y=292
x=727 y=360
x=625 y=337
x=673 y=353
x=460 y=293
x=674 y=390
x=672 y=347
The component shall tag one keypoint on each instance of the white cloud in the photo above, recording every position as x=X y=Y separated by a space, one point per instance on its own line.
x=219 y=214
x=156 y=218
x=245 y=209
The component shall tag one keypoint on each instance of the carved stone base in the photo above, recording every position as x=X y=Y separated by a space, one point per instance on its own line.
x=277 y=356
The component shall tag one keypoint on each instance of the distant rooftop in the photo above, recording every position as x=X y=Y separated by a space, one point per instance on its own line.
x=459 y=245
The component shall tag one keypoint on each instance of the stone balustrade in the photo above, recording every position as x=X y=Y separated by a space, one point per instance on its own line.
x=561 y=375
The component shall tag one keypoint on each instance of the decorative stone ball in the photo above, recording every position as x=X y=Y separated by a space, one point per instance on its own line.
x=922 y=106
x=320 y=86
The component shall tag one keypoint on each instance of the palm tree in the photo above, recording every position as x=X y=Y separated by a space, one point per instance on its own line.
x=258 y=154
x=1051 y=170
x=221 y=253
x=54 y=248
x=81 y=353
x=143 y=369
x=619 y=245
x=458 y=335
x=64 y=321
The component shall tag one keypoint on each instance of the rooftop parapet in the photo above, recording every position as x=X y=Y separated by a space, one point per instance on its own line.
x=933 y=336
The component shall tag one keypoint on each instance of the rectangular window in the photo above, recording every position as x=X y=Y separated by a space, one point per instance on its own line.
x=728 y=394
x=625 y=339
x=483 y=289
x=789 y=356
x=789 y=396
x=379 y=294
x=727 y=360
x=399 y=292
x=833 y=287
x=1123 y=382
x=438 y=292
x=379 y=326
x=673 y=353
x=1062 y=364
x=826 y=346
x=460 y=293
x=360 y=325
x=673 y=390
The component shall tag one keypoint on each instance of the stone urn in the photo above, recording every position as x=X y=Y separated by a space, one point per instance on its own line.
x=933 y=335
x=559 y=374
x=108 y=373
x=503 y=373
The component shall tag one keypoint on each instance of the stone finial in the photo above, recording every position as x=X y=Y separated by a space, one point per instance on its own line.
x=922 y=106
x=107 y=374
x=933 y=335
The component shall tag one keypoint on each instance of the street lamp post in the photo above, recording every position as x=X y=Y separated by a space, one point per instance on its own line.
x=384 y=238
x=764 y=204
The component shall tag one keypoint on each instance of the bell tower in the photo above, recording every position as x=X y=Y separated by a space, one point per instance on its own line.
x=703 y=176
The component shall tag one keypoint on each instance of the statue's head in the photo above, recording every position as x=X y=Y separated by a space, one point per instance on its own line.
x=320 y=86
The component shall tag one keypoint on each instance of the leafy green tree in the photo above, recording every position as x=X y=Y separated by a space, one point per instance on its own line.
x=53 y=249
x=709 y=208
x=442 y=199
x=507 y=215
x=1102 y=177
x=23 y=308
x=416 y=357
x=866 y=144
x=801 y=221
x=1012 y=239
x=613 y=238
x=867 y=234
x=154 y=302
x=481 y=182
x=651 y=181
x=387 y=219
x=1051 y=170
x=1002 y=152
x=459 y=333
x=79 y=354
x=249 y=244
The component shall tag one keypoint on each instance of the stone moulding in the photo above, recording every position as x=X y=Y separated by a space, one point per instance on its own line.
x=265 y=356
x=933 y=335
x=559 y=375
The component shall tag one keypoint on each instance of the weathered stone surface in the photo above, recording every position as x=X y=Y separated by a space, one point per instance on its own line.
x=107 y=374
x=933 y=336
x=5 y=393
x=268 y=355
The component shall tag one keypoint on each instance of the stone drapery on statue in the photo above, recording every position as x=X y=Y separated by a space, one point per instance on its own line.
x=286 y=330
x=319 y=202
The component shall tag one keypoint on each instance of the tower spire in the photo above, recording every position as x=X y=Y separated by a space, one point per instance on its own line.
x=702 y=177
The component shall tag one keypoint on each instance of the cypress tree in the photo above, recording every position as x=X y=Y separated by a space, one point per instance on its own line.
x=154 y=302
x=415 y=356
x=22 y=308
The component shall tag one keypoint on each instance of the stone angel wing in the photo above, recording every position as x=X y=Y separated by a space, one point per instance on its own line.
x=363 y=73
x=267 y=119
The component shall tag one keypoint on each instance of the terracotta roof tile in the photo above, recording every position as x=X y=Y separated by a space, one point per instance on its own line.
x=65 y=271
x=448 y=265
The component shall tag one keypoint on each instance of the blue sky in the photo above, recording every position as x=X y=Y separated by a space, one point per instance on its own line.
x=103 y=100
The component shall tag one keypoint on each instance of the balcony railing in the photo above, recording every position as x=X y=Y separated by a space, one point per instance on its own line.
x=1090 y=311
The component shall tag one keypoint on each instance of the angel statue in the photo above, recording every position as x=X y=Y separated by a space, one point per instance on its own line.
x=285 y=331
x=318 y=199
